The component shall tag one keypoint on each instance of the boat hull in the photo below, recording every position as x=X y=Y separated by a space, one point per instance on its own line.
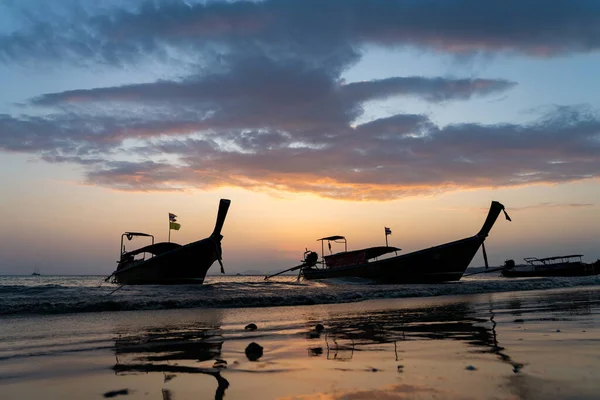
x=185 y=265
x=572 y=269
x=444 y=263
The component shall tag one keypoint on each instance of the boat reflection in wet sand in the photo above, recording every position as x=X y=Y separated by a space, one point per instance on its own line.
x=171 y=263
x=445 y=332
x=167 y=349
x=346 y=334
x=571 y=265
x=443 y=263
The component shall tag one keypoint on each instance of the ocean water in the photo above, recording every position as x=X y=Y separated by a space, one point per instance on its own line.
x=533 y=339
x=27 y=295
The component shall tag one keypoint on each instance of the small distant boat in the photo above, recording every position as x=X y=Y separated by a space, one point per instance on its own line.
x=36 y=272
x=443 y=263
x=571 y=265
x=170 y=263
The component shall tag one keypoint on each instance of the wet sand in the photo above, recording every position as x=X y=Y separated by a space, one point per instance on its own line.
x=525 y=345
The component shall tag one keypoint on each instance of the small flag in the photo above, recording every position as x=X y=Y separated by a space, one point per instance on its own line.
x=174 y=225
x=388 y=231
x=172 y=217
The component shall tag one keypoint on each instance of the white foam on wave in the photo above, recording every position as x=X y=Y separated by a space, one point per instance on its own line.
x=89 y=296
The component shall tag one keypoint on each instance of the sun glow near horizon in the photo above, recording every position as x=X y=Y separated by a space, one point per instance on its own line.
x=80 y=231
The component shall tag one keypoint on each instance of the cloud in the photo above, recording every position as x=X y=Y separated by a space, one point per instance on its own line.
x=78 y=133
x=262 y=125
x=288 y=84
x=324 y=32
x=289 y=100
x=263 y=104
x=553 y=205
x=263 y=94
x=538 y=206
x=374 y=161
x=401 y=155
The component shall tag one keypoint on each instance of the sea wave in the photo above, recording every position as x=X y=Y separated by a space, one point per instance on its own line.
x=84 y=294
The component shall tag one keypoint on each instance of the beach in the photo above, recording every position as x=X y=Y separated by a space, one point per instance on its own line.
x=536 y=344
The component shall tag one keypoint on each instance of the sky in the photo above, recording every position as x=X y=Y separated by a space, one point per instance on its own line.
x=315 y=117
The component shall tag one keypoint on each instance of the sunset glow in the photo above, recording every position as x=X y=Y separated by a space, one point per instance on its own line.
x=315 y=118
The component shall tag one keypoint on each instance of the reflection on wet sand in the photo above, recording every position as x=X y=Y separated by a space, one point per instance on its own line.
x=197 y=348
x=474 y=323
x=155 y=349
x=446 y=322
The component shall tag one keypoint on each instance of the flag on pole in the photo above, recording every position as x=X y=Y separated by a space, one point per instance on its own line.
x=388 y=231
x=173 y=225
x=173 y=222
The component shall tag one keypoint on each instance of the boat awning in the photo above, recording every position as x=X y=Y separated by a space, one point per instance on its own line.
x=332 y=238
x=559 y=257
x=131 y=234
x=552 y=258
x=380 y=250
x=155 y=249
x=357 y=256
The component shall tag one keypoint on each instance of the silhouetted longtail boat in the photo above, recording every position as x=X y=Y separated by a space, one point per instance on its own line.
x=443 y=263
x=570 y=265
x=171 y=263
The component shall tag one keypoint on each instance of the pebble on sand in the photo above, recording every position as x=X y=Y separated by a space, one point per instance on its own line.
x=470 y=368
x=517 y=368
x=254 y=351
x=115 y=393
x=251 y=327
x=319 y=328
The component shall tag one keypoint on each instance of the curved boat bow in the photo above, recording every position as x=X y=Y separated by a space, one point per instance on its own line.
x=171 y=263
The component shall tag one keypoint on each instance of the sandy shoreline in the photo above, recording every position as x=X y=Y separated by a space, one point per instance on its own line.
x=533 y=345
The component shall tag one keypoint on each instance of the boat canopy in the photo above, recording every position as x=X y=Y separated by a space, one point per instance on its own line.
x=558 y=257
x=130 y=235
x=532 y=260
x=357 y=256
x=154 y=249
x=337 y=237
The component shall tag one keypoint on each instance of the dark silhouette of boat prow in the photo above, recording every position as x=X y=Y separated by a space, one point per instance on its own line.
x=171 y=263
x=443 y=263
